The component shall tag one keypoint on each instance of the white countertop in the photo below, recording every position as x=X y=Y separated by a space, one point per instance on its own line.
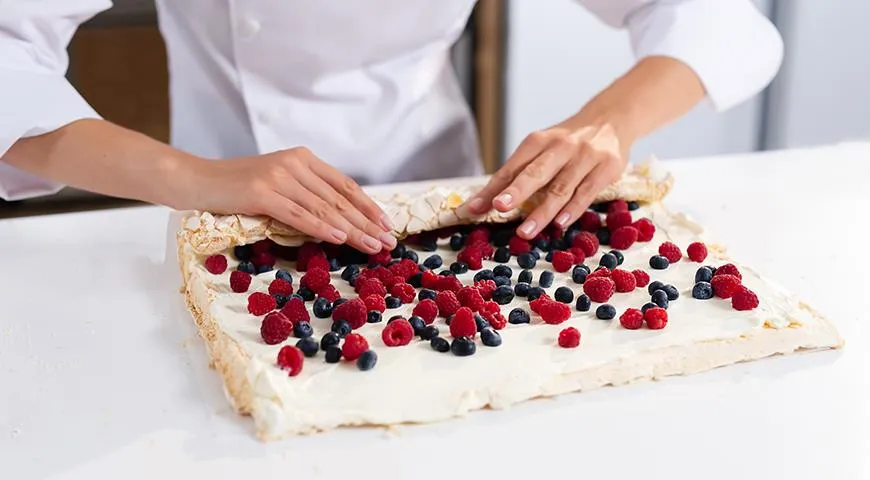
x=102 y=374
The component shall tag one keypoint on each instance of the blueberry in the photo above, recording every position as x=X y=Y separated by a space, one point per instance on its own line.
x=603 y=235
x=374 y=316
x=672 y=292
x=503 y=271
x=411 y=255
x=542 y=243
x=284 y=275
x=457 y=241
x=549 y=257
x=484 y=274
x=489 y=337
x=329 y=339
x=564 y=295
x=600 y=207
x=333 y=354
x=647 y=306
x=367 y=360
x=525 y=276
x=521 y=289
x=445 y=273
x=518 y=316
x=338 y=301
x=503 y=295
x=247 y=267
x=426 y=293
x=341 y=327
x=608 y=260
x=394 y=318
x=702 y=291
x=557 y=244
x=418 y=324
x=619 y=256
x=305 y=293
x=583 y=303
x=352 y=280
x=433 y=262
x=712 y=269
x=302 y=330
x=658 y=262
x=526 y=260
x=439 y=345
x=296 y=296
x=654 y=285
x=463 y=346
x=502 y=255
x=428 y=244
x=416 y=279
x=393 y=302
x=578 y=275
x=546 y=279
x=243 y=253
x=399 y=251
x=569 y=235
x=264 y=269
x=704 y=274
x=605 y=312
x=535 y=253
x=632 y=206
x=459 y=267
x=349 y=271
x=584 y=267
x=501 y=281
x=502 y=236
x=660 y=298
x=322 y=308
x=334 y=266
x=308 y=346
x=280 y=300
x=535 y=293
x=429 y=332
x=480 y=323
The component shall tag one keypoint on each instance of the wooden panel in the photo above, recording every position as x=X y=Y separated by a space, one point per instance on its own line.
x=489 y=78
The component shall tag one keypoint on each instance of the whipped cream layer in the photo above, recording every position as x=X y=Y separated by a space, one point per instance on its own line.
x=414 y=383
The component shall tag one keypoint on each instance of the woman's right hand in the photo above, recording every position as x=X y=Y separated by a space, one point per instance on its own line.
x=298 y=189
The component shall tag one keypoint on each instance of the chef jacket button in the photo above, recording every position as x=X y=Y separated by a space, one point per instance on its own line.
x=248 y=27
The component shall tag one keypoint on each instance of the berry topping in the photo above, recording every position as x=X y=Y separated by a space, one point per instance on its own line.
x=645 y=229
x=463 y=323
x=618 y=219
x=601 y=271
x=672 y=292
x=333 y=354
x=369 y=286
x=216 y=264
x=353 y=311
x=472 y=256
x=670 y=251
x=702 y=291
x=367 y=360
x=579 y=255
x=486 y=288
x=496 y=319
x=260 y=303
x=319 y=263
x=744 y=299
x=329 y=292
x=404 y=292
x=725 y=285
x=569 y=338
x=545 y=280
x=641 y=278
x=518 y=245
x=660 y=298
x=439 y=345
x=656 y=318
x=280 y=287
x=393 y=302
x=623 y=237
x=434 y=261
x=247 y=267
x=315 y=279
x=381 y=258
x=589 y=221
x=564 y=295
x=458 y=268
x=551 y=312
x=240 y=281
x=599 y=289
x=354 y=345
x=295 y=310
x=655 y=285
x=583 y=303
x=308 y=346
x=427 y=309
x=526 y=260
x=587 y=242
x=603 y=236
x=302 y=330
x=617 y=205
x=659 y=262
x=463 y=346
x=624 y=280
x=490 y=337
x=728 y=269
x=503 y=295
x=447 y=303
x=609 y=261
x=375 y=302
x=704 y=274
x=374 y=316
x=329 y=339
x=562 y=261
x=535 y=293
x=291 y=358
x=428 y=332
x=632 y=319
x=470 y=297
x=518 y=316
x=243 y=253
x=697 y=252
x=263 y=260
x=275 y=328
x=605 y=312
x=397 y=333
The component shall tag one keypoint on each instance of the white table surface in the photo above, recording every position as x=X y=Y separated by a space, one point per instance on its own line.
x=102 y=374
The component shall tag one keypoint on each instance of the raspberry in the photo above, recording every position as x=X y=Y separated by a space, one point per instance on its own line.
x=518 y=245
x=307 y=251
x=478 y=235
x=618 y=219
x=618 y=205
x=280 y=287
x=291 y=358
x=496 y=320
x=697 y=252
x=562 y=261
x=263 y=259
x=470 y=297
x=329 y=292
x=405 y=269
x=656 y=318
x=631 y=319
x=263 y=246
x=260 y=303
x=391 y=281
x=320 y=263
x=645 y=229
x=551 y=312
x=569 y=338
x=295 y=311
x=473 y=256
x=623 y=237
x=427 y=309
x=724 y=285
x=448 y=283
x=276 y=327
x=602 y=272
x=670 y=251
x=380 y=273
x=588 y=242
x=486 y=250
x=397 y=333
x=216 y=264
x=447 y=303
x=589 y=221
x=485 y=287
x=624 y=280
x=489 y=308
x=728 y=269
x=404 y=292
x=372 y=286
x=463 y=324
x=354 y=345
x=743 y=299
x=240 y=281
x=641 y=278
x=354 y=311
x=315 y=279
x=375 y=302
x=381 y=258
x=579 y=255
x=430 y=280
x=599 y=289
x=553 y=231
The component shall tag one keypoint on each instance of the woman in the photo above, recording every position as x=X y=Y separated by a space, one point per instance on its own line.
x=307 y=99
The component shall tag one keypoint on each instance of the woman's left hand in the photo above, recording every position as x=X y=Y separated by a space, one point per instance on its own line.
x=571 y=165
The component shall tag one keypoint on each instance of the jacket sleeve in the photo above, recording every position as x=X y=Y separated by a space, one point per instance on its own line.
x=732 y=47
x=35 y=96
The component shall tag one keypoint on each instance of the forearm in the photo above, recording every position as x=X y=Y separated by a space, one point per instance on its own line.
x=104 y=158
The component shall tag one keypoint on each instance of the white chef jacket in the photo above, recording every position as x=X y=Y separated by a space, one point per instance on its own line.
x=366 y=85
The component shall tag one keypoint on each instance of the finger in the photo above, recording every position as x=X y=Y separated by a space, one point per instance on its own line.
x=530 y=148
x=292 y=214
x=585 y=194
x=343 y=207
x=558 y=194
x=351 y=190
x=535 y=175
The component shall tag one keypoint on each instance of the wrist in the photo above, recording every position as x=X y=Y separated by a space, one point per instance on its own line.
x=183 y=174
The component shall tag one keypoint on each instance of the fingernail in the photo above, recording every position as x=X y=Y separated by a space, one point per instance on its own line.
x=388 y=240
x=386 y=223
x=505 y=199
x=528 y=227
x=562 y=219
x=372 y=243
x=338 y=235
x=476 y=204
